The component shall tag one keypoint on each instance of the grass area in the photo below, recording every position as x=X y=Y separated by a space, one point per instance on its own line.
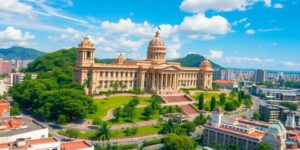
x=208 y=96
x=141 y=131
x=104 y=105
x=138 y=118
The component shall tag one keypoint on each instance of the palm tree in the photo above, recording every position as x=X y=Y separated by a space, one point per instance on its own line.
x=104 y=132
x=117 y=113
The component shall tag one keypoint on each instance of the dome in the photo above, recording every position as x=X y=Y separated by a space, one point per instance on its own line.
x=206 y=65
x=156 y=41
x=86 y=42
x=274 y=128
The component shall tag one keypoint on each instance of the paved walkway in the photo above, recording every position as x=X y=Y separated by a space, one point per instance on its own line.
x=122 y=94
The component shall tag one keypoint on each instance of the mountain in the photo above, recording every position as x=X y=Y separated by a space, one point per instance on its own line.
x=20 y=53
x=194 y=60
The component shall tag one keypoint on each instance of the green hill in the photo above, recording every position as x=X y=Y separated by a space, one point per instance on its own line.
x=59 y=59
x=193 y=60
x=20 y=53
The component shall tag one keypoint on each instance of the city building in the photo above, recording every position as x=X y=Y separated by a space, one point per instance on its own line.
x=4 y=109
x=224 y=131
x=226 y=84
x=270 y=113
x=153 y=74
x=280 y=94
x=260 y=76
x=5 y=66
x=17 y=78
x=229 y=74
x=50 y=143
x=13 y=128
x=219 y=74
x=276 y=136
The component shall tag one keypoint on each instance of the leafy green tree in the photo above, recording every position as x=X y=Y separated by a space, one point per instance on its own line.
x=62 y=119
x=222 y=98
x=189 y=127
x=213 y=104
x=104 y=132
x=179 y=142
x=117 y=113
x=201 y=102
x=263 y=146
x=170 y=127
x=200 y=119
x=230 y=106
x=256 y=115
x=131 y=113
x=15 y=110
x=290 y=105
x=148 y=112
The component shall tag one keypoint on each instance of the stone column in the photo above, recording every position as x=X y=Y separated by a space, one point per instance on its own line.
x=165 y=81
x=161 y=81
x=153 y=81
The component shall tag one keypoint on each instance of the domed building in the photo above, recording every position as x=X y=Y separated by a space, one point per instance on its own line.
x=276 y=135
x=153 y=74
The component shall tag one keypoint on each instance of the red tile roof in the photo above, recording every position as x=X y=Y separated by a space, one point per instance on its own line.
x=4 y=145
x=74 y=145
x=224 y=81
x=42 y=141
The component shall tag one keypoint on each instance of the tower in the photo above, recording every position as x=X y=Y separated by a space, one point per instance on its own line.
x=156 y=49
x=85 y=52
x=290 y=120
x=205 y=75
x=216 y=118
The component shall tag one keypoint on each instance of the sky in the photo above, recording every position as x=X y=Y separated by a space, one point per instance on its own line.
x=254 y=34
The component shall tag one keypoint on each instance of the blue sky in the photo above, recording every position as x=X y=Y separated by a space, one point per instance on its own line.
x=234 y=33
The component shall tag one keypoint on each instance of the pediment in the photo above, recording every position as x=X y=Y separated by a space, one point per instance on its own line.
x=170 y=68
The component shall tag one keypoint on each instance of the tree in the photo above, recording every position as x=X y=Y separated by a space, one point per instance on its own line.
x=222 y=98
x=233 y=147
x=170 y=127
x=230 y=106
x=179 y=142
x=256 y=115
x=263 y=146
x=241 y=96
x=117 y=113
x=131 y=113
x=201 y=102
x=62 y=119
x=15 y=110
x=290 y=105
x=104 y=132
x=148 y=111
x=213 y=104
x=200 y=119
x=189 y=127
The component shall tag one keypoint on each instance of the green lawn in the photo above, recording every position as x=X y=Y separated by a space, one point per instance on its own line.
x=141 y=131
x=208 y=96
x=138 y=118
x=104 y=105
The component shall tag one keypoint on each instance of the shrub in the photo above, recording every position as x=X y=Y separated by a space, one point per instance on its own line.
x=129 y=146
x=151 y=142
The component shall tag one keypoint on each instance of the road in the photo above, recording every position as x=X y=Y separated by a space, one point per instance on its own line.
x=256 y=102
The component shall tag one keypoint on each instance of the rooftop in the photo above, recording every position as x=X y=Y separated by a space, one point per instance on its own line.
x=75 y=145
x=18 y=125
x=225 y=81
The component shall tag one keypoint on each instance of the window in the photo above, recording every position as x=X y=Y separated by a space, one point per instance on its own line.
x=88 y=55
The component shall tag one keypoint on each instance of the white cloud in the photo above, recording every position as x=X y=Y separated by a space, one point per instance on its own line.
x=269 y=30
x=247 y=25
x=290 y=64
x=250 y=31
x=197 y=6
x=278 y=6
x=71 y=34
x=268 y=3
x=173 y=50
x=11 y=36
x=200 y=26
x=15 y=6
x=126 y=27
x=129 y=45
x=215 y=54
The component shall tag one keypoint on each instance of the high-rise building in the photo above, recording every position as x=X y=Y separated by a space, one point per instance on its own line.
x=229 y=74
x=17 y=78
x=260 y=76
x=5 y=66
x=219 y=74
